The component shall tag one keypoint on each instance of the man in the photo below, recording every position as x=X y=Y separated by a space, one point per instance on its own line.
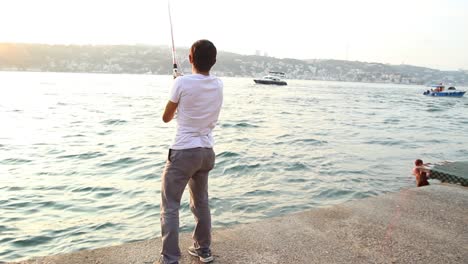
x=197 y=98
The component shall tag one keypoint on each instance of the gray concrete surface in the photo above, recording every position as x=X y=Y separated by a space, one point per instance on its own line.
x=420 y=225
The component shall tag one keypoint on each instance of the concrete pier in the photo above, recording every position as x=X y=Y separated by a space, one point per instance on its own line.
x=419 y=225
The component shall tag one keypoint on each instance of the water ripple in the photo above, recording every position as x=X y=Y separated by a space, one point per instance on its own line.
x=15 y=161
x=85 y=156
x=121 y=162
x=89 y=171
x=239 y=125
x=114 y=122
x=32 y=241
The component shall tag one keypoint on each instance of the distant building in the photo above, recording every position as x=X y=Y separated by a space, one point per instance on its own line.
x=258 y=53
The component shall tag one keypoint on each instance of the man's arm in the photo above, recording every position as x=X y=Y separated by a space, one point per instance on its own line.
x=169 y=112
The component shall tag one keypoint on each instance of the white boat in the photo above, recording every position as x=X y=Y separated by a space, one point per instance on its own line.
x=275 y=78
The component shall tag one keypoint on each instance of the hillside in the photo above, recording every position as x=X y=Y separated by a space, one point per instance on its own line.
x=143 y=59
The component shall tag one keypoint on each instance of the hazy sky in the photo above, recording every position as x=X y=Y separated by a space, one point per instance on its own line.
x=430 y=33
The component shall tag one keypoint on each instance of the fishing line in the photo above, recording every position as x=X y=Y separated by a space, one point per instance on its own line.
x=394 y=222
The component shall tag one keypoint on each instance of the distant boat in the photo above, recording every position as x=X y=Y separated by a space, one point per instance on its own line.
x=274 y=78
x=439 y=90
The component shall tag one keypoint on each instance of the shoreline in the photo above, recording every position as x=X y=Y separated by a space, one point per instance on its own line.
x=220 y=76
x=417 y=225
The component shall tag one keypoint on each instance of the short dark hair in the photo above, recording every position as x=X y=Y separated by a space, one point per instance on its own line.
x=418 y=162
x=203 y=54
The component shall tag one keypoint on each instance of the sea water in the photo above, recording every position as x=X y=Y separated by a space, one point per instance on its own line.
x=81 y=155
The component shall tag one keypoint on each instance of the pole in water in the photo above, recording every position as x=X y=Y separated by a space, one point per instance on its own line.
x=174 y=62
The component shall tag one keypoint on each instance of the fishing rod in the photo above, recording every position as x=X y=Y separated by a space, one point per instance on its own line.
x=174 y=61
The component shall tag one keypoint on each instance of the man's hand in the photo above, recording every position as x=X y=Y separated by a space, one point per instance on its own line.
x=176 y=73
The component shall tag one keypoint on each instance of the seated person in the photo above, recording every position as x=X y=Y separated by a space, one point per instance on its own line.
x=420 y=173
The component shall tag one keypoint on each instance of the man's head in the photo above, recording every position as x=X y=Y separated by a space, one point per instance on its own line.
x=418 y=162
x=203 y=55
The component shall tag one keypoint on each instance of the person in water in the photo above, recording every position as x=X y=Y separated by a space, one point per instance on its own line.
x=420 y=173
x=197 y=98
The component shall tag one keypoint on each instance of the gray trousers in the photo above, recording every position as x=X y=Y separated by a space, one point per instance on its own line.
x=185 y=166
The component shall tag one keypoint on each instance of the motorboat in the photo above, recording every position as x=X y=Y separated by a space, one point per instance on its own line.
x=275 y=78
x=439 y=90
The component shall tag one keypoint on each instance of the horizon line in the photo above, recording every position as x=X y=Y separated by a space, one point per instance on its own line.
x=280 y=58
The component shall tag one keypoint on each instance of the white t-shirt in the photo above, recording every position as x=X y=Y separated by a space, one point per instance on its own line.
x=199 y=99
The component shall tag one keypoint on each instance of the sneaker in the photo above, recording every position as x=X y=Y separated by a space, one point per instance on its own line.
x=162 y=261
x=204 y=254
